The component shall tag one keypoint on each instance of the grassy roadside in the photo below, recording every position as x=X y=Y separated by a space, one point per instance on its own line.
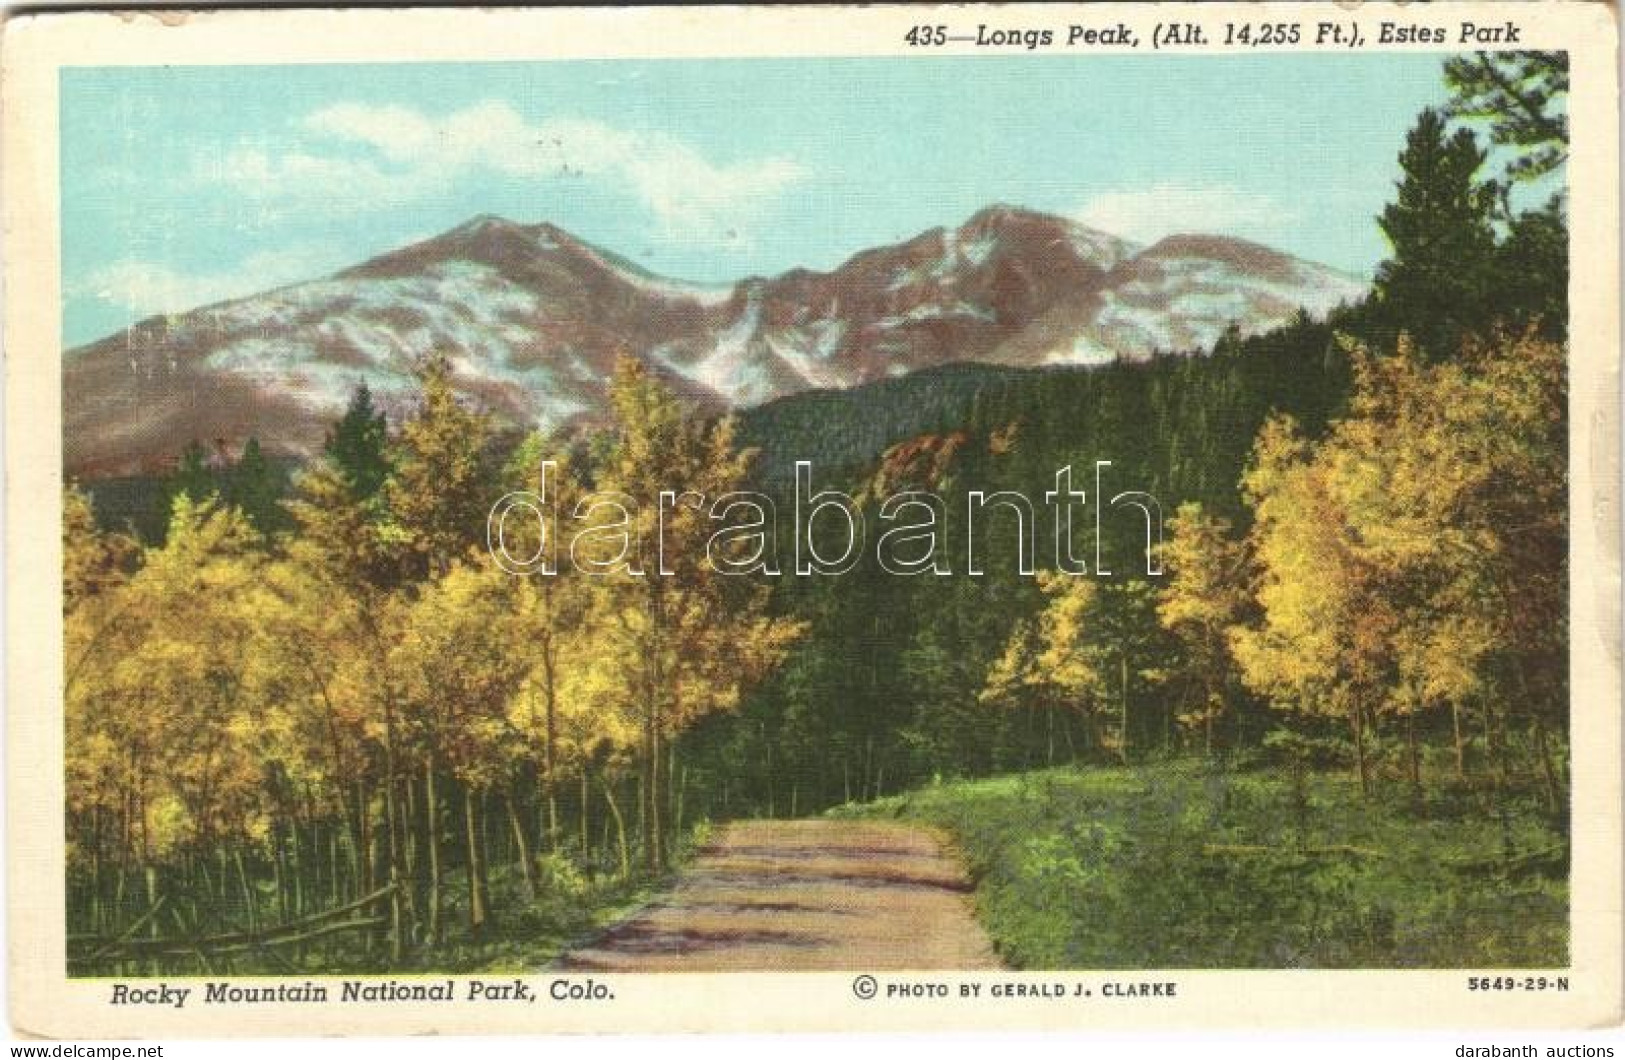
x=1178 y=864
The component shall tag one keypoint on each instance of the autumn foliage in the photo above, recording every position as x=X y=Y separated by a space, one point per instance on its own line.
x=366 y=705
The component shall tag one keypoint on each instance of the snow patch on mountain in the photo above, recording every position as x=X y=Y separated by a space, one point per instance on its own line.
x=808 y=349
x=663 y=287
x=935 y=311
x=1107 y=251
x=1127 y=324
x=729 y=369
x=332 y=334
x=675 y=290
x=1083 y=349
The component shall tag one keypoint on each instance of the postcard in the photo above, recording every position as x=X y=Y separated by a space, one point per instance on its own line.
x=812 y=518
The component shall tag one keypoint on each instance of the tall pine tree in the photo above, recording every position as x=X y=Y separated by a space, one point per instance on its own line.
x=256 y=487
x=1521 y=95
x=1436 y=286
x=356 y=445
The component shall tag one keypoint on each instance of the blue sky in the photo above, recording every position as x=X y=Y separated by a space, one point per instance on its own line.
x=184 y=185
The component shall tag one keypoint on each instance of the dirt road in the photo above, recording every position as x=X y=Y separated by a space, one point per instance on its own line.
x=803 y=896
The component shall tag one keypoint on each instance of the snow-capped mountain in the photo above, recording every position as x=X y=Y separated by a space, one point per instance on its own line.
x=533 y=320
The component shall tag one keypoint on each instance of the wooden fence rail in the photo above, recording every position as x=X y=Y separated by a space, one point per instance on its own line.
x=307 y=929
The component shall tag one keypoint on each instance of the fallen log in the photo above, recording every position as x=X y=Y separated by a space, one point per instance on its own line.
x=124 y=938
x=311 y=927
x=191 y=948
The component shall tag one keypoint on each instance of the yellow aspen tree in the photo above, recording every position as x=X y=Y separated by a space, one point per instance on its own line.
x=1320 y=646
x=1207 y=591
x=694 y=636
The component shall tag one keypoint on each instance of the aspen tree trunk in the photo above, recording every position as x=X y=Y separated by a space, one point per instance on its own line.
x=335 y=877
x=541 y=808
x=361 y=866
x=251 y=903
x=679 y=781
x=395 y=867
x=586 y=821
x=620 y=825
x=1123 y=723
x=296 y=866
x=642 y=802
x=522 y=842
x=1461 y=746
x=653 y=839
x=482 y=819
x=1413 y=756
x=431 y=810
x=648 y=810
x=551 y=751
x=394 y=842
x=150 y=871
x=96 y=888
x=654 y=836
x=1361 y=766
x=672 y=793
x=657 y=815
x=279 y=875
x=477 y=901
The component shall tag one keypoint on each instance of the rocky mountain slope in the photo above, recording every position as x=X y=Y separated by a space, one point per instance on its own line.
x=534 y=318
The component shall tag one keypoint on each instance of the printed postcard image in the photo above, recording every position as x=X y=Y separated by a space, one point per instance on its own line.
x=1055 y=516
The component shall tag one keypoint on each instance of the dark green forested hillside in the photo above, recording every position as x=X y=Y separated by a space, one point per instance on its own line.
x=884 y=691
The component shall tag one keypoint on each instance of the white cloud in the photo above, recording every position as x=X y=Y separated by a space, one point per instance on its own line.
x=399 y=133
x=1148 y=214
x=144 y=288
x=405 y=155
x=300 y=180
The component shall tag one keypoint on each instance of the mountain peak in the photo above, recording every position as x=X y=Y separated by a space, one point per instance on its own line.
x=485 y=239
x=535 y=317
x=1010 y=224
x=1004 y=213
x=486 y=222
x=1241 y=254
